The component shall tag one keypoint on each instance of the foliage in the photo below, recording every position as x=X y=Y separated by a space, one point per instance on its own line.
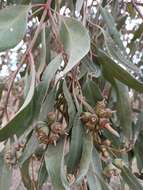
x=71 y=112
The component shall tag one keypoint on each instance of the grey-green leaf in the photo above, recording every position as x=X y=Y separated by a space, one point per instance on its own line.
x=13 y=23
x=75 y=150
x=76 y=41
x=30 y=148
x=86 y=156
x=124 y=109
x=70 y=103
x=116 y=71
x=5 y=174
x=53 y=158
x=131 y=179
x=24 y=116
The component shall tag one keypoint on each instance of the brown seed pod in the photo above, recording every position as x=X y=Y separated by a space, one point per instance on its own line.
x=109 y=170
x=93 y=119
x=85 y=116
x=100 y=105
x=106 y=113
x=105 y=154
x=90 y=126
x=106 y=142
x=57 y=128
x=43 y=134
x=53 y=138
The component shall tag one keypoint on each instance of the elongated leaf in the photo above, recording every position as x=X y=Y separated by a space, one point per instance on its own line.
x=116 y=71
x=96 y=161
x=79 y=4
x=104 y=185
x=109 y=20
x=89 y=66
x=30 y=148
x=25 y=175
x=96 y=166
x=70 y=103
x=130 y=179
x=76 y=41
x=24 y=116
x=13 y=23
x=115 y=46
x=48 y=105
x=42 y=175
x=50 y=71
x=124 y=109
x=75 y=150
x=86 y=157
x=119 y=55
x=92 y=92
x=5 y=175
x=93 y=181
x=53 y=158
x=43 y=53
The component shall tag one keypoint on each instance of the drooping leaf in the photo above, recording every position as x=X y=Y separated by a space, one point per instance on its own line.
x=93 y=181
x=86 y=156
x=138 y=151
x=79 y=4
x=50 y=71
x=30 y=148
x=43 y=53
x=130 y=179
x=42 y=175
x=47 y=105
x=109 y=20
x=116 y=71
x=124 y=109
x=76 y=41
x=5 y=174
x=26 y=175
x=92 y=92
x=53 y=158
x=119 y=55
x=76 y=143
x=104 y=185
x=70 y=103
x=24 y=116
x=88 y=66
x=13 y=23
x=96 y=166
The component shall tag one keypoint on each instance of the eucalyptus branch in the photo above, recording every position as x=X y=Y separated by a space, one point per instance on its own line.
x=23 y=60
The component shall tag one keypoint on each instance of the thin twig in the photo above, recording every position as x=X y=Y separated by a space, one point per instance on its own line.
x=23 y=59
x=137 y=8
x=85 y=104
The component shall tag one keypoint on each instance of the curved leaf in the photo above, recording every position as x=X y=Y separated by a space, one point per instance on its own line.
x=86 y=156
x=92 y=92
x=75 y=150
x=76 y=41
x=124 y=109
x=70 y=103
x=23 y=116
x=116 y=71
x=5 y=175
x=13 y=23
x=53 y=159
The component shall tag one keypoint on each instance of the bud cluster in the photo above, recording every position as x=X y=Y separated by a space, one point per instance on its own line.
x=49 y=132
